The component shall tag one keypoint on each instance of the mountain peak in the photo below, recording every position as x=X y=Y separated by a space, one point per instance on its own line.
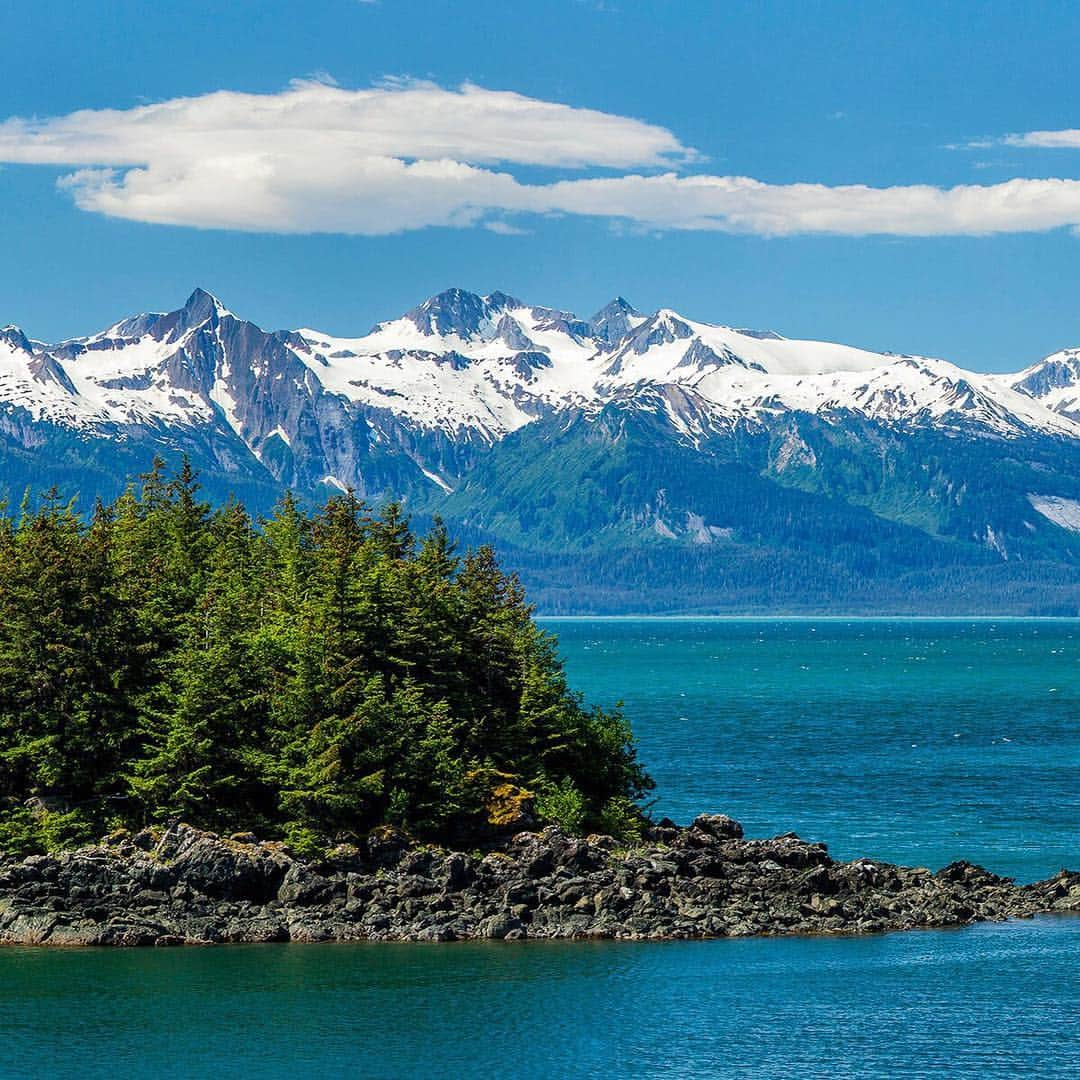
x=201 y=305
x=500 y=301
x=199 y=308
x=614 y=320
x=455 y=311
x=14 y=336
x=1055 y=381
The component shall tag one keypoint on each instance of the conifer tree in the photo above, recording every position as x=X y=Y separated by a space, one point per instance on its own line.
x=310 y=676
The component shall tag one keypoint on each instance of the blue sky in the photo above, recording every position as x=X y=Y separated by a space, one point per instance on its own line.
x=913 y=98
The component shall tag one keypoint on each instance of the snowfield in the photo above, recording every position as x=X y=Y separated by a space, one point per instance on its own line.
x=479 y=367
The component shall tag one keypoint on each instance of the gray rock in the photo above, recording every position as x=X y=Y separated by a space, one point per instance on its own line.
x=189 y=886
x=718 y=825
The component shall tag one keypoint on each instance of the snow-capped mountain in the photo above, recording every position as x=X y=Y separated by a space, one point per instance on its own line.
x=488 y=365
x=455 y=403
x=478 y=367
x=1053 y=382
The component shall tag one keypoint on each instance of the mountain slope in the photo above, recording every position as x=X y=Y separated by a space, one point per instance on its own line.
x=1053 y=382
x=725 y=459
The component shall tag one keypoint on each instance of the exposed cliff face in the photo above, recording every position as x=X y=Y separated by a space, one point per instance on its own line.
x=187 y=886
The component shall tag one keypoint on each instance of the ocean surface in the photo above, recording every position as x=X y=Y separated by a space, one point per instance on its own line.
x=915 y=741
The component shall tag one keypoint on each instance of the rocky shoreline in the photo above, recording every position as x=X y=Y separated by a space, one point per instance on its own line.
x=185 y=886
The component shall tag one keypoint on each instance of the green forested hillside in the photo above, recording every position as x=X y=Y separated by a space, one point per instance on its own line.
x=618 y=512
x=306 y=676
x=608 y=514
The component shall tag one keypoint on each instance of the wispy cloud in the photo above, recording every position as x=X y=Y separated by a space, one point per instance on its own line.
x=1059 y=139
x=1065 y=139
x=742 y=204
x=406 y=155
x=504 y=228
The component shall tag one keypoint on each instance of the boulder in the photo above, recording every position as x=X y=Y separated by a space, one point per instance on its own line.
x=223 y=869
x=719 y=826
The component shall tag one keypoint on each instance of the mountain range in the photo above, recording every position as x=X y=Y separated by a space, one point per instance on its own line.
x=626 y=462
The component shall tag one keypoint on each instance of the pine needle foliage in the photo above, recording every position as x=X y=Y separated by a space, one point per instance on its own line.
x=308 y=676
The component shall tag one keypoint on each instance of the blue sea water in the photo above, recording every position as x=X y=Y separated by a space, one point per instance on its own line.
x=908 y=740
x=914 y=741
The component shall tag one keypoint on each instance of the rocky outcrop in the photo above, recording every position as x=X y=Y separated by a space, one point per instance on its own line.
x=185 y=886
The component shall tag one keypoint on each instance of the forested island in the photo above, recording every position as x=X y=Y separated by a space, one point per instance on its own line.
x=306 y=677
x=320 y=726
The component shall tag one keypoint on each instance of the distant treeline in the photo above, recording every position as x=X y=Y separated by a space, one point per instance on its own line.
x=305 y=676
x=744 y=579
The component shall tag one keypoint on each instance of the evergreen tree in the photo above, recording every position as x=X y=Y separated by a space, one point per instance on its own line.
x=309 y=676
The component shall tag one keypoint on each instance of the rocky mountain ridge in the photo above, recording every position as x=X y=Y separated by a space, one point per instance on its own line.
x=478 y=367
x=547 y=433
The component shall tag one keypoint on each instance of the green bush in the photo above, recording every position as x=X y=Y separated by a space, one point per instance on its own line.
x=622 y=818
x=563 y=805
x=35 y=832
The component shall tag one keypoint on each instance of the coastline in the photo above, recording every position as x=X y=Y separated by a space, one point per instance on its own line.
x=801 y=617
x=706 y=880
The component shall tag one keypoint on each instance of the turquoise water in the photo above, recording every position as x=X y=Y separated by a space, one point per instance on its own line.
x=997 y=1000
x=914 y=741
x=907 y=740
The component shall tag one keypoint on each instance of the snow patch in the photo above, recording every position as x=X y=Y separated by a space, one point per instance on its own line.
x=222 y=397
x=436 y=479
x=700 y=533
x=1062 y=512
x=793 y=452
x=995 y=543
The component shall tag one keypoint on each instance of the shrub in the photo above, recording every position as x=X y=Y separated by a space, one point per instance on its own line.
x=562 y=804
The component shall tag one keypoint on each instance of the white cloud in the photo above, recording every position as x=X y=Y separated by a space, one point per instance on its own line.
x=1060 y=139
x=1066 y=139
x=317 y=120
x=405 y=155
x=742 y=204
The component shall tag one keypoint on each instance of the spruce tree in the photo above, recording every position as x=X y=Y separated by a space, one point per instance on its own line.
x=309 y=676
